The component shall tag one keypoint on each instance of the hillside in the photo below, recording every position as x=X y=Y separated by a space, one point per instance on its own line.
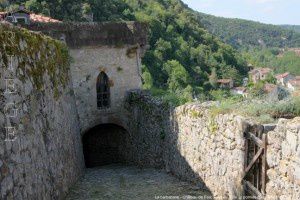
x=292 y=27
x=277 y=59
x=244 y=33
x=182 y=54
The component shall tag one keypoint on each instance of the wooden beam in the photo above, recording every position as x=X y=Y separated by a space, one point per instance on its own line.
x=255 y=139
x=246 y=153
x=264 y=164
x=252 y=190
x=253 y=161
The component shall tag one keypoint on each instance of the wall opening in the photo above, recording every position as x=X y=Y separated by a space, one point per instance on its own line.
x=105 y=144
x=103 y=91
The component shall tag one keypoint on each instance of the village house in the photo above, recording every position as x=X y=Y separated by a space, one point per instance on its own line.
x=273 y=92
x=283 y=79
x=294 y=84
x=259 y=74
x=23 y=16
x=240 y=91
x=225 y=83
x=268 y=88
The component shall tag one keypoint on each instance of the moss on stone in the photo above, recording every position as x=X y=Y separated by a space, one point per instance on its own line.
x=38 y=55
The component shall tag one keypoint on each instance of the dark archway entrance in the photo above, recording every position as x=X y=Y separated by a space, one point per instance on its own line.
x=105 y=144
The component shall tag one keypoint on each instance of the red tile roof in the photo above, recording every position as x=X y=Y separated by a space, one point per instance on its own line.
x=295 y=82
x=265 y=70
x=42 y=19
x=224 y=80
x=279 y=76
x=33 y=17
x=241 y=89
x=269 y=87
x=261 y=71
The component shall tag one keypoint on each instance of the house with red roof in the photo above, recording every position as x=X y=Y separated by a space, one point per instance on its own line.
x=23 y=16
x=294 y=84
x=240 y=91
x=283 y=79
x=259 y=74
x=225 y=83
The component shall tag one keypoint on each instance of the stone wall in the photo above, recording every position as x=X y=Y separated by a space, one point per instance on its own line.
x=42 y=155
x=114 y=48
x=283 y=158
x=148 y=125
x=190 y=143
x=195 y=145
x=205 y=148
x=123 y=71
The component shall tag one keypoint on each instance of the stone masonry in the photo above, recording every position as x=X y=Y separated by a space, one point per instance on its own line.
x=44 y=157
x=113 y=48
x=195 y=145
x=190 y=143
x=284 y=161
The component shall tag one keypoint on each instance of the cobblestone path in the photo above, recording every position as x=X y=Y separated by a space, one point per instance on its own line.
x=130 y=183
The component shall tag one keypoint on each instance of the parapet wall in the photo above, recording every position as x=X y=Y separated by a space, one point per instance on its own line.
x=40 y=147
x=283 y=159
x=195 y=145
x=77 y=34
x=190 y=143
x=208 y=149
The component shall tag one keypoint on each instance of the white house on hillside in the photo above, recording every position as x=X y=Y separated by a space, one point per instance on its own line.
x=283 y=79
x=294 y=84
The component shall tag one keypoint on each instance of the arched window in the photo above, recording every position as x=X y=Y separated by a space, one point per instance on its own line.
x=103 y=91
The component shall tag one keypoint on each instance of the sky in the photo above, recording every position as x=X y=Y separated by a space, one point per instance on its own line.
x=266 y=11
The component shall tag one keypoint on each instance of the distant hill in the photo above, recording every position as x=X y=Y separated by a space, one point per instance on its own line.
x=292 y=27
x=244 y=33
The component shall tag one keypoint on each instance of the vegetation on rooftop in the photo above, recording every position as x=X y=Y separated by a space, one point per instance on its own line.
x=259 y=109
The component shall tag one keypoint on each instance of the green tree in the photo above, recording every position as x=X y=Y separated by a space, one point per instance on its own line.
x=178 y=76
x=213 y=78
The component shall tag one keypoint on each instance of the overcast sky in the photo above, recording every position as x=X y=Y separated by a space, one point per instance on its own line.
x=266 y=11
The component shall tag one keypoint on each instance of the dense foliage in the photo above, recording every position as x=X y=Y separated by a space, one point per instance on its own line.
x=281 y=61
x=243 y=33
x=292 y=27
x=182 y=54
x=259 y=43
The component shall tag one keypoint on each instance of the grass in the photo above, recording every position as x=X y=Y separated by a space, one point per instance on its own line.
x=260 y=110
x=169 y=97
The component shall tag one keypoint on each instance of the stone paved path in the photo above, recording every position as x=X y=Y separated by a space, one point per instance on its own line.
x=116 y=182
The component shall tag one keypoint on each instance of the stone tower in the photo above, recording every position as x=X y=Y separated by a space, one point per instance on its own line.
x=106 y=64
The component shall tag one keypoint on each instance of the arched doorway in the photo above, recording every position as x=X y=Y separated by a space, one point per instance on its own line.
x=105 y=144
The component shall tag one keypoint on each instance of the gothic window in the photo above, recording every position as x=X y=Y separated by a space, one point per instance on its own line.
x=103 y=91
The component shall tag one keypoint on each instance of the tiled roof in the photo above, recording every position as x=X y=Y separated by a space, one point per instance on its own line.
x=269 y=87
x=33 y=17
x=265 y=70
x=242 y=89
x=42 y=19
x=279 y=76
x=295 y=82
x=224 y=80
x=261 y=71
